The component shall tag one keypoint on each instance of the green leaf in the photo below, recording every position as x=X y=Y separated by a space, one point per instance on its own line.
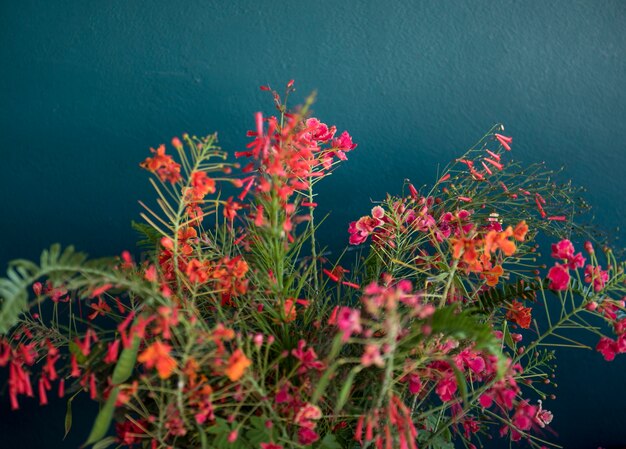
x=329 y=442
x=464 y=325
x=68 y=417
x=345 y=390
x=103 y=444
x=126 y=363
x=103 y=420
x=497 y=297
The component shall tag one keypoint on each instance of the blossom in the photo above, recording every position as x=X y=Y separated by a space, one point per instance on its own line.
x=493 y=275
x=201 y=185
x=608 y=348
x=371 y=356
x=237 y=365
x=519 y=314
x=559 y=277
x=520 y=231
x=307 y=415
x=163 y=165
x=446 y=387
x=158 y=355
x=349 y=322
x=563 y=250
x=307 y=436
x=505 y=141
x=307 y=358
x=596 y=276
x=342 y=145
x=543 y=417
x=524 y=415
x=197 y=271
x=270 y=446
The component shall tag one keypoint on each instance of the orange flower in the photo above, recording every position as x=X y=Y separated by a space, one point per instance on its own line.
x=237 y=364
x=500 y=240
x=519 y=233
x=197 y=272
x=466 y=248
x=201 y=185
x=163 y=165
x=493 y=275
x=158 y=354
x=519 y=314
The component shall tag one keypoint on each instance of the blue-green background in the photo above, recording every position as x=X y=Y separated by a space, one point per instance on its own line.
x=86 y=87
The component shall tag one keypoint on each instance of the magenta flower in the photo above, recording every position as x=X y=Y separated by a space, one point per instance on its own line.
x=349 y=322
x=524 y=415
x=559 y=277
x=607 y=348
x=563 y=250
x=307 y=358
x=597 y=276
x=307 y=436
x=446 y=388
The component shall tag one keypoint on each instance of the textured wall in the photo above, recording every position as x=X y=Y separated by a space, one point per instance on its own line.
x=87 y=86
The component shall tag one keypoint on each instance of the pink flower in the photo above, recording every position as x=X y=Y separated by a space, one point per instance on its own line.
x=504 y=141
x=320 y=131
x=342 y=145
x=378 y=212
x=446 y=388
x=307 y=415
x=543 y=417
x=356 y=235
x=349 y=322
x=563 y=250
x=308 y=358
x=559 y=277
x=597 y=276
x=470 y=359
x=524 y=415
x=270 y=446
x=371 y=356
x=307 y=436
x=232 y=436
x=607 y=348
x=415 y=384
x=577 y=261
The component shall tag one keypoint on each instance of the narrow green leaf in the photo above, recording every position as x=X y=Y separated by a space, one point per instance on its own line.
x=345 y=390
x=126 y=363
x=68 y=417
x=103 y=420
x=103 y=444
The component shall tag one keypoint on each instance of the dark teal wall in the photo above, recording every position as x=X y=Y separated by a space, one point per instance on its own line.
x=87 y=86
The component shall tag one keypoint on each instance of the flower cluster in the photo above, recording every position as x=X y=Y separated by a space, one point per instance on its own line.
x=234 y=331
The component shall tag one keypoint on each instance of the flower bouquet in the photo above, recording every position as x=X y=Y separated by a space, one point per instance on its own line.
x=233 y=329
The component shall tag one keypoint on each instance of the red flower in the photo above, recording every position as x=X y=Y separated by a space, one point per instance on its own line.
x=596 y=276
x=162 y=165
x=519 y=314
x=559 y=277
x=608 y=348
x=201 y=185
x=504 y=141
